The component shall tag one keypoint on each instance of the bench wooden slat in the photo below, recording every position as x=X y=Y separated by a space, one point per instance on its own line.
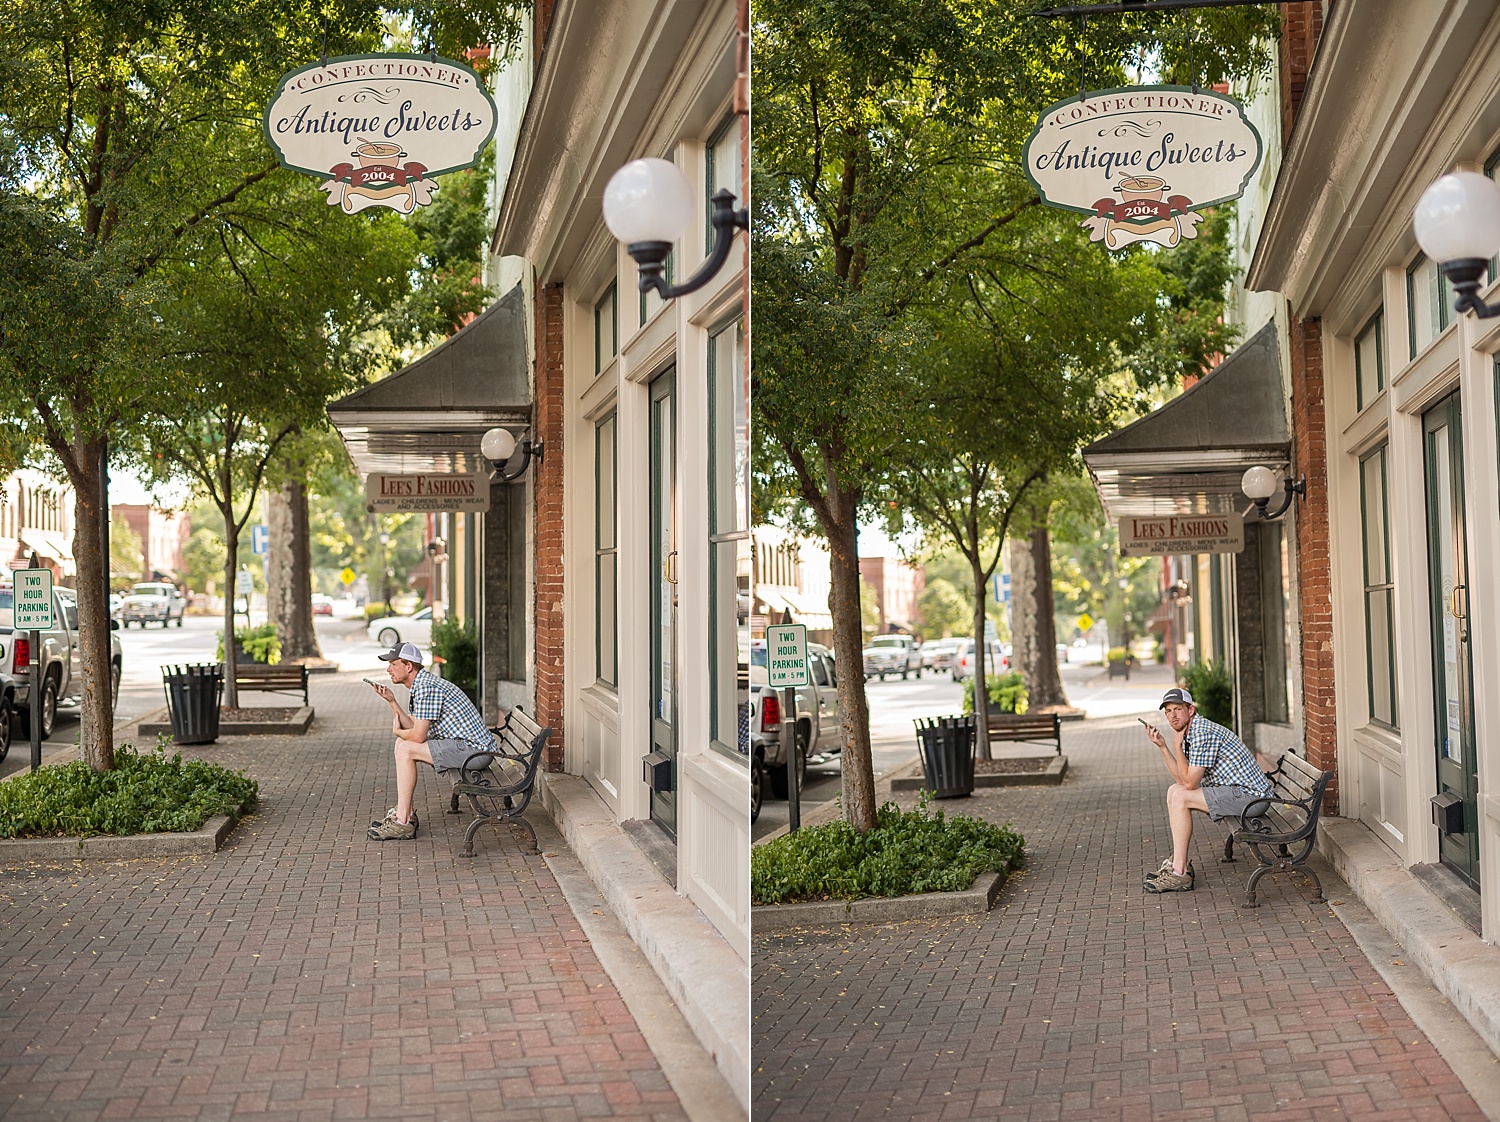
x=520 y=741
x=1290 y=819
x=272 y=679
x=1026 y=726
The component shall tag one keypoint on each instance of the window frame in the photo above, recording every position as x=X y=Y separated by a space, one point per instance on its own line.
x=733 y=541
x=1375 y=323
x=609 y=549
x=1384 y=588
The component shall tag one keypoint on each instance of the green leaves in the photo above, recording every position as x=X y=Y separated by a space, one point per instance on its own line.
x=906 y=852
x=144 y=794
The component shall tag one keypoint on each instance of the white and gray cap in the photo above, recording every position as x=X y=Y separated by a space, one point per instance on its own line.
x=407 y=652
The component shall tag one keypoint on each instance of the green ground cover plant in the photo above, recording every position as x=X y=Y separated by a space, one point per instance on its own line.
x=1007 y=693
x=906 y=852
x=146 y=793
x=261 y=644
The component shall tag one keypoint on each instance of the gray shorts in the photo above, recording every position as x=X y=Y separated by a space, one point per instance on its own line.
x=449 y=755
x=1228 y=802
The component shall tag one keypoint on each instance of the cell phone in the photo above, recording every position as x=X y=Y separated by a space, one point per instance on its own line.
x=368 y=682
x=1143 y=720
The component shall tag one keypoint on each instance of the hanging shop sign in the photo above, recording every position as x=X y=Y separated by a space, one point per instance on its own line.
x=377 y=128
x=426 y=492
x=1142 y=161
x=1182 y=533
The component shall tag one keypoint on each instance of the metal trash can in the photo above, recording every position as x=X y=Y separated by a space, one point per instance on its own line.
x=947 y=747
x=193 y=696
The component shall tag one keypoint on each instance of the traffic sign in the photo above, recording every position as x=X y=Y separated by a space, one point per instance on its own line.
x=32 y=610
x=244 y=582
x=786 y=655
x=260 y=539
x=347 y=576
x=1085 y=623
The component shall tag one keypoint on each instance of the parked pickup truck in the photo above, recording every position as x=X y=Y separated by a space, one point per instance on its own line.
x=62 y=665
x=152 y=603
x=820 y=734
x=892 y=654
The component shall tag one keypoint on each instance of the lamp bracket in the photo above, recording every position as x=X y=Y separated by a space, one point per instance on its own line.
x=651 y=257
x=529 y=449
x=1290 y=488
x=1464 y=275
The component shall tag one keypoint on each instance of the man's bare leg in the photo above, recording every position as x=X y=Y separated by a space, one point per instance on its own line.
x=1181 y=803
x=407 y=757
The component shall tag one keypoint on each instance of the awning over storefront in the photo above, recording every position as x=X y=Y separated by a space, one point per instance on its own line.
x=53 y=546
x=1188 y=456
x=429 y=416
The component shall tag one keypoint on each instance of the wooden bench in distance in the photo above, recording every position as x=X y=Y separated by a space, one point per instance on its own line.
x=499 y=784
x=284 y=678
x=1026 y=727
x=1282 y=830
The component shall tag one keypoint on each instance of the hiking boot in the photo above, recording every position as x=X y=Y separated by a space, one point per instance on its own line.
x=390 y=816
x=391 y=830
x=1170 y=882
x=1166 y=867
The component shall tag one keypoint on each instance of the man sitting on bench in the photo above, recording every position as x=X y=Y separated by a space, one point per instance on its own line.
x=442 y=730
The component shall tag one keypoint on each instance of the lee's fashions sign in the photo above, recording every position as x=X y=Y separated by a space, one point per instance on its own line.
x=1142 y=161
x=377 y=128
x=426 y=492
x=1182 y=533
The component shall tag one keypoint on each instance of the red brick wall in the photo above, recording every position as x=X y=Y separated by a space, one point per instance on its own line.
x=1301 y=25
x=1315 y=584
x=548 y=483
x=541 y=24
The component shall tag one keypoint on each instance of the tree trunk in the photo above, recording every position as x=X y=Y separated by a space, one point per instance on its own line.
x=231 y=564
x=97 y=736
x=289 y=595
x=848 y=644
x=981 y=690
x=1043 y=680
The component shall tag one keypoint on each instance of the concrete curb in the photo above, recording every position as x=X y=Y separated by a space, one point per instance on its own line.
x=1052 y=774
x=1458 y=962
x=299 y=724
x=701 y=971
x=895 y=909
x=205 y=842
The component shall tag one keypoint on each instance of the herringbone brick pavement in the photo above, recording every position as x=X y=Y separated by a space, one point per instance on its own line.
x=305 y=973
x=1082 y=997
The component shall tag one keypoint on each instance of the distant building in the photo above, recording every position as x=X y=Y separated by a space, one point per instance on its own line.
x=36 y=515
x=897 y=586
x=163 y=535
x=790 y=574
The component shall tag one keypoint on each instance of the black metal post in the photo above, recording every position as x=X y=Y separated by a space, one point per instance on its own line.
x=789 y=749
x=34 y=694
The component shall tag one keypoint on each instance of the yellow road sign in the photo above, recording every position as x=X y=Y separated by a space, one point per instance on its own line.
x=1085 y=622
x=347 y=576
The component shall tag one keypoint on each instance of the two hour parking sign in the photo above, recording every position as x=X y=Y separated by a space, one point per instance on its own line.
x=786 y=655
x=33 y=600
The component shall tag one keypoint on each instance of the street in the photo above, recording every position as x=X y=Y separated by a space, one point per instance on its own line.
x=895 y=704
x=146 y=650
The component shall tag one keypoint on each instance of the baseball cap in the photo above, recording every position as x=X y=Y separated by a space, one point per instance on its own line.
x=1174 y=696
x=407 y=652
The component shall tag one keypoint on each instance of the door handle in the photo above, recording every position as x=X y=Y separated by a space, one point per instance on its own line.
x=1453 y=602
x=668 y=568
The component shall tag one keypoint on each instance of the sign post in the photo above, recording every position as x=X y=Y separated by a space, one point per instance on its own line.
x=786 y=669
x=32 y=611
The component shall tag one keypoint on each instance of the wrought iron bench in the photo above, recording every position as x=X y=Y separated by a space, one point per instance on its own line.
x=283 y=678
x=1026 y=726
x=498 y=784
x=1282 y=830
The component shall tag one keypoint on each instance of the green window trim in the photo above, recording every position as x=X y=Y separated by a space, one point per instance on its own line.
x=606 y=551
x=1378 y=589
x=1375 y=324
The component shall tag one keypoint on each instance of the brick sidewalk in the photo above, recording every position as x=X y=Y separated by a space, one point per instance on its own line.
x=307 y=973
x=1082 y=997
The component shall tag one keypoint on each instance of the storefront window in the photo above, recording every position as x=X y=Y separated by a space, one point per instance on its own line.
x=1429 y=303
x=1380 y=649
x=606 y=549
x=723 y=171
x=606 y=330
x=729 y=543
x=1369 y=361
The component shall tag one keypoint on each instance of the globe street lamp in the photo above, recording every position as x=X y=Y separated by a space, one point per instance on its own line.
x=498 y=445
x=1259 y=484
x=1457 y=224
x=648 y=204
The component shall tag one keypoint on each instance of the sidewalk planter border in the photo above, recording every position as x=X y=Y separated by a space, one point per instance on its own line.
x=1052 y=774
x=299 y=724
x=109 y=847
x=977 y=900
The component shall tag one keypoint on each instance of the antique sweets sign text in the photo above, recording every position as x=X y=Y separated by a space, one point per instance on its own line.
x=1143 y=160
x=377 y=128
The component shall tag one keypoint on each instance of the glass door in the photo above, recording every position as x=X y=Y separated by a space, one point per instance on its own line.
x=1457 y=763
x=664 y=570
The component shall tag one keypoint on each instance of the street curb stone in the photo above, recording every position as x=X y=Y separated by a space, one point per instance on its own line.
x=300 y=722
x=1053 y=773
x=205 y=841
x=896 y=909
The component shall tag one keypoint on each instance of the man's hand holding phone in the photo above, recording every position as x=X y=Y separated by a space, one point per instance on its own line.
x=383 y=691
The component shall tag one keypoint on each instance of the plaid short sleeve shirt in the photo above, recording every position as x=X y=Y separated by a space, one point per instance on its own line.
x=450 y=713
x=1224 y=756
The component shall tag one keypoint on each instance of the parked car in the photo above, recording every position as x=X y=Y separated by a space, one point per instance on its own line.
x=153 y=602
x=892 y=654
x=390 y=630
x=116 y=602
x=820 y=733
x=937 y=655
x=61 y=663
x=996 y=659
x=322 y=605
